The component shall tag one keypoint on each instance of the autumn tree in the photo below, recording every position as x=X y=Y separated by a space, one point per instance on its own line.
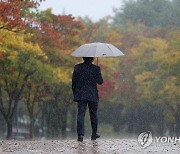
x=13 y=13
x=20 y=61
x=35 y=92
x=58 y=36
x=95 y=31
x=156 y=77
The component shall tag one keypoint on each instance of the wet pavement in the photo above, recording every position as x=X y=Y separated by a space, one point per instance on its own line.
x=101 y=146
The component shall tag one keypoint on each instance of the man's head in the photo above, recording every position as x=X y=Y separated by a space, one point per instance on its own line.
x=88 y=59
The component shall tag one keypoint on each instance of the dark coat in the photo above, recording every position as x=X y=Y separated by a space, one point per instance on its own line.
x=85 y=78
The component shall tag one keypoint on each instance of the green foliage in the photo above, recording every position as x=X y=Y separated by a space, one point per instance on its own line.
x=152 y=13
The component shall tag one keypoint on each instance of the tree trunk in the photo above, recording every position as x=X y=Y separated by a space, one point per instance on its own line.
x=73 y=121
x=63 y=131
x=177 y=130
x=131 y=123
x=48 y=134
x=177 y=126
x=9 y=129
x=31 y=129
x=64 y=123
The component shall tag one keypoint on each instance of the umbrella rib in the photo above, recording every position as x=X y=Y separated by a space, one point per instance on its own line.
x=88 y=49
x=110 y=48
x=96 y=51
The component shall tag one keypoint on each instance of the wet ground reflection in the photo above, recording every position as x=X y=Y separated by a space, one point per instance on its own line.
x=81 y=148
x=88 y=147
x=105 y=146
x=94 y=147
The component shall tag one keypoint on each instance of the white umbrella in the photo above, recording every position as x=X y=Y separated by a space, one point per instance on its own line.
x=97 y=50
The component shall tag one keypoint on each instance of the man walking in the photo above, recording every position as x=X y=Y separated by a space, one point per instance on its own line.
x=85 y=78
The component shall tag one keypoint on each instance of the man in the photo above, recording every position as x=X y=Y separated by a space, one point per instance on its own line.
x=85 y=78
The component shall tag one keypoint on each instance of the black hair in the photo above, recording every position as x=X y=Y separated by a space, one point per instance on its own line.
x=88 y=59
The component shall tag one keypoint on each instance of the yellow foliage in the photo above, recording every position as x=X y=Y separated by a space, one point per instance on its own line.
x=171 y=57
x=114 y=38
x=62 y=76
x=171 y=91
x=144 y=82
x=150 y=47
x=13 y=44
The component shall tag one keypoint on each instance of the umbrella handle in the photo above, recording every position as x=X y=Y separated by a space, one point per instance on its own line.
x=97 y=61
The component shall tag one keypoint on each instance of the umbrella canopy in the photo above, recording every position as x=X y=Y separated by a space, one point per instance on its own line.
x=97 y=50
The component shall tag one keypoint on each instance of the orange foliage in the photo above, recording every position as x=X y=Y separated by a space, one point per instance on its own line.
x=129 y=40
x=106 y=89
x=11 y=13
x=59 y=32
x=1 y=56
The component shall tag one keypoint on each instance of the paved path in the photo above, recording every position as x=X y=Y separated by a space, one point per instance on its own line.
x=101 y=146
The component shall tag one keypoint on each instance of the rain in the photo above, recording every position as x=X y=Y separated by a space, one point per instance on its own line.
x=131 y=78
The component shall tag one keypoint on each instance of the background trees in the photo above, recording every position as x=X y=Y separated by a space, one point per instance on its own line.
x=153 y=13
x=20 y=61
x=13 y=13
x=140 y=90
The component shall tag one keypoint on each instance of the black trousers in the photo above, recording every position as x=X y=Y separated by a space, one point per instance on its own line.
x=82 y=105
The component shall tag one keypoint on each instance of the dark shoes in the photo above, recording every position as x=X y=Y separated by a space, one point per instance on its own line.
x=94 y=137
x=80 y=138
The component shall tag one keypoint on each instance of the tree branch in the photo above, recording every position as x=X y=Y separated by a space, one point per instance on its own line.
x=1 y=103
x=8 y=29
x=20 y=91
x=28 y=100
